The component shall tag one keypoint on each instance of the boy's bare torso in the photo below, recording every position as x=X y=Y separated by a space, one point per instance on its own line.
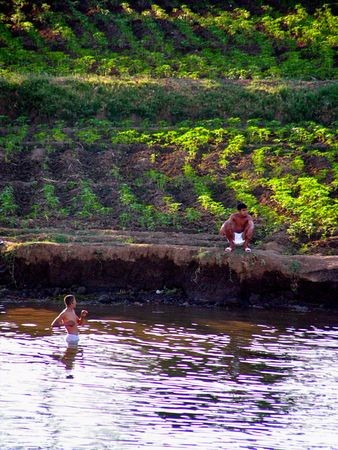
x=70 y=320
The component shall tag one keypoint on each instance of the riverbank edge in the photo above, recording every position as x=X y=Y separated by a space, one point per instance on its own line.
x=177 y=274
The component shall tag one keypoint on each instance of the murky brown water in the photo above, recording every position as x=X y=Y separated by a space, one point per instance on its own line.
x=169 y=378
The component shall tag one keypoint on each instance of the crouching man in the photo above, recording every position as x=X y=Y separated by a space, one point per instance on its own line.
x=238 y=229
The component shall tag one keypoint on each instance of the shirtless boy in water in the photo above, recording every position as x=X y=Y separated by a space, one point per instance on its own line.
x=70 y=320
x=240 y=224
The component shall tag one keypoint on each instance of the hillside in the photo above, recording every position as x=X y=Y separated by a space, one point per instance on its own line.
x=114 y=39
x=161 y=117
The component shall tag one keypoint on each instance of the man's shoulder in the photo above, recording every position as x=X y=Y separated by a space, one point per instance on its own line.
x=235 y=216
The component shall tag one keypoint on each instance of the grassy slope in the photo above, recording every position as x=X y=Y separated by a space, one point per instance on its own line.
x=93 y=135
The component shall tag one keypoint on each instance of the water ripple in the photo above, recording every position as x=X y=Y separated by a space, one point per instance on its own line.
x=198 y=381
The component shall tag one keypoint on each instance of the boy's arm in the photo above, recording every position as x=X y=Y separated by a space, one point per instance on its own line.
x=57 y=322
x=82 y=316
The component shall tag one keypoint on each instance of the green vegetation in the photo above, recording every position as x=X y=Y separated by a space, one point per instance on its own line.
x=163 y=116
x=12 y=140
x=8 y=206
x=233 y=44
x=145 y=102
x=189 y=176
x=90 y=204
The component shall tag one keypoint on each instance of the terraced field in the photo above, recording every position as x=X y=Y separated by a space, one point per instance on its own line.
x=162 y=118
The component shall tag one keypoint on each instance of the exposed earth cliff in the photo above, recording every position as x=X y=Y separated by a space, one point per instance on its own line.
x=173 y=266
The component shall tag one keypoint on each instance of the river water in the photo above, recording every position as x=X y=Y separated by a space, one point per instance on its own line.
x=159 y=377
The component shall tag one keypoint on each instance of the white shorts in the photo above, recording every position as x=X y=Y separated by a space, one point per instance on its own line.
x=239 y=239
x=72 y=339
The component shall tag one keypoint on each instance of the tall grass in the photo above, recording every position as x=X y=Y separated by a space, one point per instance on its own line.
x=47 y=99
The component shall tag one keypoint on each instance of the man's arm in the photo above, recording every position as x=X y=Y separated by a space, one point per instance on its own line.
x=250 y=224
x=228 y=222
x=222 y=229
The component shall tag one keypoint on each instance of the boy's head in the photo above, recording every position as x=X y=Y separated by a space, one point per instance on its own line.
x=242 y=209
x=69 y=300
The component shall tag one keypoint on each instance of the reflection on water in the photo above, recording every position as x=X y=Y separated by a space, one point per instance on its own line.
x=169 y=378
x=68 y=356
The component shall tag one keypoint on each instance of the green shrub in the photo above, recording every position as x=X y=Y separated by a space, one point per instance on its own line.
x=160 y=179
x=12 y=142
x=88 y=136
x=258 y=159
x=309 y=209
x=51 y=200
x=89 y=202
x=192 y=215
x=204 y=196
x=234 y=148
x=8 y=207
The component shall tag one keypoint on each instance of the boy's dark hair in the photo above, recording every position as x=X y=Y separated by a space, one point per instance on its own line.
x=69 y=299
x=241 y=206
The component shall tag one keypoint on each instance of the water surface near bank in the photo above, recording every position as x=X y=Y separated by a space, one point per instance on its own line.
x=169 y=377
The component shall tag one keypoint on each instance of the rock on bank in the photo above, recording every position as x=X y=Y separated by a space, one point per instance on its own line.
x=205 y=275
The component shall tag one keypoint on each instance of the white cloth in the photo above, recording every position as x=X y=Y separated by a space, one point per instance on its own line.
x=72 y=339
x=239 y=239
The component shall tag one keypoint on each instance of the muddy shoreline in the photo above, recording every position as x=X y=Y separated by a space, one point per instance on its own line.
x=173 y=274
x=112 y=298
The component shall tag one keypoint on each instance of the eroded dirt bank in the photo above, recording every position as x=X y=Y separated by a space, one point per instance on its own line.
x=203 y=274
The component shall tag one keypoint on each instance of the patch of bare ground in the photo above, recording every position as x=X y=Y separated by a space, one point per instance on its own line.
x=183 y=83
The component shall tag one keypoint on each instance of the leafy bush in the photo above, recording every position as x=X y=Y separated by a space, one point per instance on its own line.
x=12 y=142
x=52 y=202
x=204 y=195
x=89 y=202
x=233 y=148
x=8 y=207
x=311 y=210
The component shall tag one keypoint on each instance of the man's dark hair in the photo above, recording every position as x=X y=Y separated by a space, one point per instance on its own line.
x=241 y=206
x=69 y=300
